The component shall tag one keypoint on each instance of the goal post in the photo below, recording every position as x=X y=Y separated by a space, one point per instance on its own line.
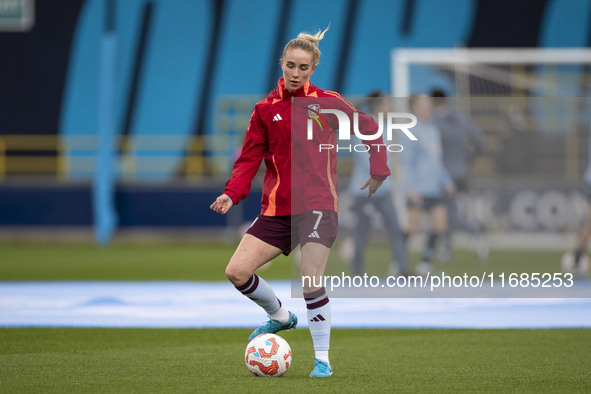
x=540 y=93
x=464 y=61
x=533 y=107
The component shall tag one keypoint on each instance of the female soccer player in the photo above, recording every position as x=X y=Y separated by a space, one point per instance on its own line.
x=426 y=179
x=312 y=220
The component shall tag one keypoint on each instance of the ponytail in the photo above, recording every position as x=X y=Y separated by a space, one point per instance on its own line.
x=308 y=43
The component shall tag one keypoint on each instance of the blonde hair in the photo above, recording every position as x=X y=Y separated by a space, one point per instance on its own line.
x=308 y=43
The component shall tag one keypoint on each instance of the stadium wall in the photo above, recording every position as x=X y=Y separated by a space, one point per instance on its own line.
x=178 y=58
x=137 y=206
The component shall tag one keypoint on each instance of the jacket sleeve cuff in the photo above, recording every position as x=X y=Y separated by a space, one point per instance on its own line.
x=379 y=177
x=229 y=198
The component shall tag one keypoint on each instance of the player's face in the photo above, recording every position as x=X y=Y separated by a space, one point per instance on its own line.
x=297 y=68
x=383 y=104
x=422 y=108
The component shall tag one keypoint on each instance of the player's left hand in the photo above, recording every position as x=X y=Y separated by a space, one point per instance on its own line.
x=372 y=185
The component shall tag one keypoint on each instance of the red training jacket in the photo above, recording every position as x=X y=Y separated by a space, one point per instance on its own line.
x=295 y=165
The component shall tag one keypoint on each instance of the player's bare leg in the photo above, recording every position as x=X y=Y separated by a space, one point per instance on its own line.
x=438 y=219
x=413 y=223
x=583 y=237
x=413 y=219
x=437 y=226
x=251 y=254
x=313 y=264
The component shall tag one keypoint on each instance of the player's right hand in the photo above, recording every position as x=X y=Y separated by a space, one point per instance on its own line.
x=222 y=204
x=372 y=186
x=450 y=190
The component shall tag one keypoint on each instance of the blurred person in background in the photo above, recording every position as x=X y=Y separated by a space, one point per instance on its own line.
x=309 y=219
x=426 y=180
x=382 y=202
x=577 y=262
x=460 y=141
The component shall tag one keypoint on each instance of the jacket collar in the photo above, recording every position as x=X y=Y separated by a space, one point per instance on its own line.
x=301 y=92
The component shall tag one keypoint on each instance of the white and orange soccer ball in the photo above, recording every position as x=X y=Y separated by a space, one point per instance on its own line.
x=268 y=355
x=567 y=265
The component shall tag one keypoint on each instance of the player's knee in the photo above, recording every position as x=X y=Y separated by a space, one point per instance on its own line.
x=231 y=274
x=236 y=275
x=439 y=228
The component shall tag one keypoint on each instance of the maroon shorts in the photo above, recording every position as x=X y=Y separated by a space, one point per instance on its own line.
x=286 y=232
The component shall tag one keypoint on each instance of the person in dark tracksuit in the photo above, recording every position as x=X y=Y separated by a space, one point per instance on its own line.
x=460 y=141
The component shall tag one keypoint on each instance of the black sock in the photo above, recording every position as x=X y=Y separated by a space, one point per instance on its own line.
x=430 y=248
x=578 y=254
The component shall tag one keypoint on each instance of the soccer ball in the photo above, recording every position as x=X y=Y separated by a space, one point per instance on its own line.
x=567 y=264
x=268 y=355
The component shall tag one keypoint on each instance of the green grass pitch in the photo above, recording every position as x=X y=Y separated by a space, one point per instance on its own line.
x=206 y=262
x=207 y=360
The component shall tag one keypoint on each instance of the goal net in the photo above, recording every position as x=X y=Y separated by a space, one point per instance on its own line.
x=532 y=106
